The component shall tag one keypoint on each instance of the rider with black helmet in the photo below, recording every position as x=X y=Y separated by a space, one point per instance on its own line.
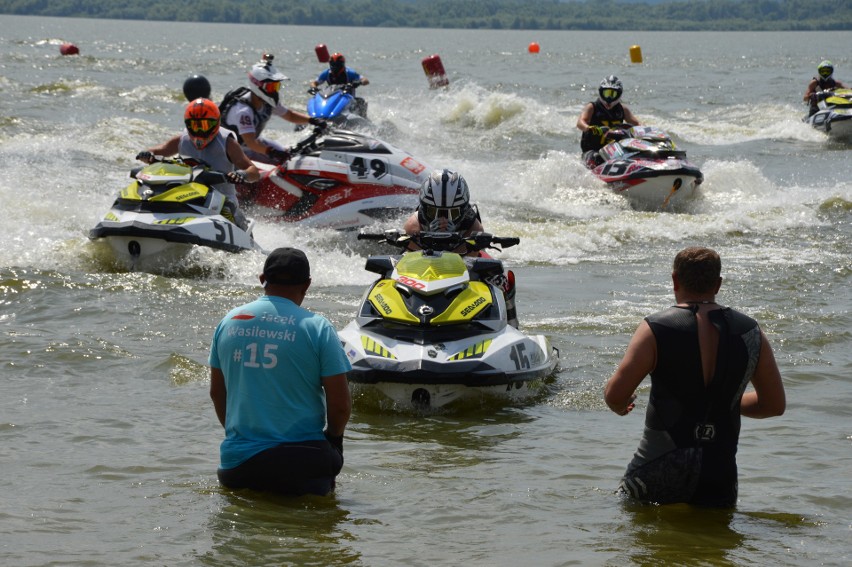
x=822 y=83
x=599 y=116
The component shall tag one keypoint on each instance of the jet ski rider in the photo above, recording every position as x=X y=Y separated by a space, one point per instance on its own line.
x=823 y=82
x=445 y=207
x=217 y=147
x=600 y=119
x=247 y=110
x=339 y=74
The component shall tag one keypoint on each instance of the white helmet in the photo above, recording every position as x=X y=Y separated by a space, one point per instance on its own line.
x=610 y=91
x=265 y=80
x=444 y=201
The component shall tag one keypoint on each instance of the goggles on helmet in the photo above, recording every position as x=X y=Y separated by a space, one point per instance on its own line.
x=609 y=94
x=453 y=214
x=270 y=87
x=825 y=72
x=201 y=126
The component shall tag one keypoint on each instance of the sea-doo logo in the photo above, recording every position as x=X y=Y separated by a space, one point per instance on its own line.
x=479 y=301
x=425 y=310
x=383 y=304
x=432 y=353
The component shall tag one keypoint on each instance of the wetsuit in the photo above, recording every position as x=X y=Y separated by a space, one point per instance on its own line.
x=689 y=445
x=601 y=116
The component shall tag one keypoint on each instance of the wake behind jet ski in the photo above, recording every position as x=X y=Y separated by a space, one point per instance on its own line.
x=433 y=328
x=166 y=210
x=643 y=164
x=338 y=179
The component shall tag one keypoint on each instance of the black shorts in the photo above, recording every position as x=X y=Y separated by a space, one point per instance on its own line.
x=306 y=467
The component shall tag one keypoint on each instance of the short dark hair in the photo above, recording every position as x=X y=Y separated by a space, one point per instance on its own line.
x=698 y=269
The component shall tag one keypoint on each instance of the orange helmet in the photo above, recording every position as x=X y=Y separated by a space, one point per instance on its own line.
x=337 y=61
x=202 y=121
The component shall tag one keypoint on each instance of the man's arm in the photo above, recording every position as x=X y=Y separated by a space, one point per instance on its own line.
x=218 y=393
x=768 y=398
x=167 y=148
x=585 y=116
x=239 y=158
x=338 y=402
x=639 y=360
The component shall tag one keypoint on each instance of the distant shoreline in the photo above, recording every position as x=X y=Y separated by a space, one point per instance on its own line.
x=550 y=15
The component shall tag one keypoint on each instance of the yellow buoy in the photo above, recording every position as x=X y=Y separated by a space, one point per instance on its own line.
x=635 y=54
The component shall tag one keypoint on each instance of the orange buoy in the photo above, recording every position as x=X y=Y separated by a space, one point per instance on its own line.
x=322 y=53
x=534 y=47
x=68 y=49
x=434 y=69
x=635 y=54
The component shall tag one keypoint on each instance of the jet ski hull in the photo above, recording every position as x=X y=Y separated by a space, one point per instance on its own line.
x=507 y=364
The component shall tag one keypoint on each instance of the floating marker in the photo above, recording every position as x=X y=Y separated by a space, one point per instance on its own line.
x=322 y=53
x=434 y=70
x=68 y=49
x=635 y=54
x=534 y=47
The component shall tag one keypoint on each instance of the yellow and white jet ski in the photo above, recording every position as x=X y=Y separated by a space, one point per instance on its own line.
x=434 y=328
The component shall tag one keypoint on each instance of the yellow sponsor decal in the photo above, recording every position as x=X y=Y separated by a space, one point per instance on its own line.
x=182 y=193
x=466 y=305
x=375 y=348
x=387 y=301
x=131 y=192
x=476 y=351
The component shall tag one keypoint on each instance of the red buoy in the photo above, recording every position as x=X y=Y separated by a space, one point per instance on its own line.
x=434 y=70
x=534 y=47
x=68 y=49
x=322 y=53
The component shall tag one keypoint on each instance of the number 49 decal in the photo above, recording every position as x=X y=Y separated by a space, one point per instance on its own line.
x=374 y=168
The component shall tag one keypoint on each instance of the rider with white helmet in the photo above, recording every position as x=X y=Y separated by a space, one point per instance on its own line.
x=246 y=111
x=600 y=115
x=444 y=206
x=824 y=82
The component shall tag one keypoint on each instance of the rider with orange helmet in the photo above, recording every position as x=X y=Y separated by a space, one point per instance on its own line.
x=217 y=147
x=339 y=74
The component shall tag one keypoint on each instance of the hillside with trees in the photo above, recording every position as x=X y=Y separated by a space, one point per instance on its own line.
x=672 y=15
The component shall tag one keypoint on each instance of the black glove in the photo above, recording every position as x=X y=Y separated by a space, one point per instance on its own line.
x=145 y=156
x=312 y=91
x=335 y=440
x=238 y=176
x=280 y=156
x=318 y=122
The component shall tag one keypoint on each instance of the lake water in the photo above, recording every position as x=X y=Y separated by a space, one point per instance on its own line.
x=108 y=439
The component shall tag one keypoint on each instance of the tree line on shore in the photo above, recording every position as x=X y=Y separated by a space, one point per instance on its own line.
x=702 y=15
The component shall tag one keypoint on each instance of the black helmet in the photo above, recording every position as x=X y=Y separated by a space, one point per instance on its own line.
x=610 y=91
x=196 y=86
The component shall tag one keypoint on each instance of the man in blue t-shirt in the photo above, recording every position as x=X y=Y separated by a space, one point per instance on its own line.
x=278 y=384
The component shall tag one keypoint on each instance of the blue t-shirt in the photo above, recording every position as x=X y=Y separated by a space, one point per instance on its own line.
x=274 y=355
x=351 y=76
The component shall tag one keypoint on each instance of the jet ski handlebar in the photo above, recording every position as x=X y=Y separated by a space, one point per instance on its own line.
x=442 y=241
